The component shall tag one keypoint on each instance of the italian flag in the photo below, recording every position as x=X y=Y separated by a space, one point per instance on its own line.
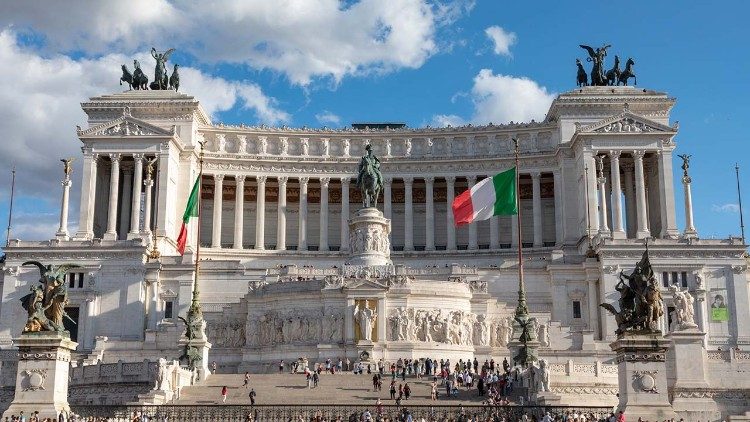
x=494 y=195
x=191 y=210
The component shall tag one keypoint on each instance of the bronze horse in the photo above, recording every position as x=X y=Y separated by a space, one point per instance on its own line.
x=582 y=78
x=627 y=73
x=613 y=75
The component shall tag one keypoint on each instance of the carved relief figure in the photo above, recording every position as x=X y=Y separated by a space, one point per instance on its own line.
x=684 y=312
x=366 y=318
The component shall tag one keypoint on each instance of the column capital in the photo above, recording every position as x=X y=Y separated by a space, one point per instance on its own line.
x=303 y=181
x=218 y=177
x=535 y=175
x=471 y=179
x=387 y=181
x=638 y=154
x=282 y=180
x=408 y=180
x=240 y=178
x=450 y=179
x=345 y=181
x=429 y=180
x=137 y=157
x=261 y=179
x=115 y=157
x=324 y=181
x=614 y=154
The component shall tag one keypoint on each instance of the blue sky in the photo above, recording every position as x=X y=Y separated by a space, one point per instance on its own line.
x=320 y=62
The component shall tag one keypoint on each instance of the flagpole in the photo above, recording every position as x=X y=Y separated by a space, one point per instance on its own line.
x=10 y=210
x=522 y=309
x=196 y=290
x=739 y=200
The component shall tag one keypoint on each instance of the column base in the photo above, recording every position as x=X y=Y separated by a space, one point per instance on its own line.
x=642 y=234
x=83 y=236
x=690 y=234
x=136 y=235
x=619 y=234
x=670 y=234
x=605 y=233
x=62 y=235
x=109 y=236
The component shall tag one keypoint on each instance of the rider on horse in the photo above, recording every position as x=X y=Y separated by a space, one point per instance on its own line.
x=369 y=179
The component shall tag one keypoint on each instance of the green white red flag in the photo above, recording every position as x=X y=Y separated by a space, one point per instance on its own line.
x=191 y=210
x=492 y=196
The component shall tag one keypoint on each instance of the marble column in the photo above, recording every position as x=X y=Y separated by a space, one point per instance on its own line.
x=450 y=182
x=135 y=206
x=429 y=184
x=323 y=243
x=124 y=201
x=666 y=195
x=640 y=196
x=114 y=186
x=593 y=303
x=302 y=235
x=559 y=220
x=592 y=201
x=345 y=214
x=630 y=225
x=494 y=232
x=62 y=232
x=473 y=234
x=408 y=214
x=536 y=194
x=239 y=211
x=618 y=232
x=88 y=196
x=148 y=185
x=260 y=213
x=602 y=187
x=690 y=231
x=387 y=198
x=218 y=199
x=281 y=215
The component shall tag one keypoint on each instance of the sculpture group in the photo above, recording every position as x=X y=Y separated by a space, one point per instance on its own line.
x=139 y=80
x=46 y=302
x=600 y=77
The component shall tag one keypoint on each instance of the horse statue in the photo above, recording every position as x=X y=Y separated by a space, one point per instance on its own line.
x=369 y=179
x=174 y=80
x=613 y=75
x=582 y=79
x=627 y=73
x=126 y=77
x=597 y=58
x=140 y=80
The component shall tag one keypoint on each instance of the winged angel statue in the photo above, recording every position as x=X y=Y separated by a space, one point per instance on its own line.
x=46 y=303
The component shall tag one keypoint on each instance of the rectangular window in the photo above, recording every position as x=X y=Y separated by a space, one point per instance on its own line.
x=684 y=279
x=665 y=279
x=168 y=309
x=674 y=278
x=577 y=309
x=80 y=280
x=71 y=280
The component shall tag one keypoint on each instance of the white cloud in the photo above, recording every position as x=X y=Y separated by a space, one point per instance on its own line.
x=445 y=120
x=502 y=40
x=327 y=117
x=40 y=102
x=727 y=208
x=303 y=39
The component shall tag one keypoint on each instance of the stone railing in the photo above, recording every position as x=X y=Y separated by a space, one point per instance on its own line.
x=726 y=356
x=124 y=382
x=576 y=370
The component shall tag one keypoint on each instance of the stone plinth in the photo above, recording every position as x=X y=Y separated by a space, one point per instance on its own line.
x=369 y=238
x=689 y=374
x=642 y=373
x=42 y=375
x=203 y=347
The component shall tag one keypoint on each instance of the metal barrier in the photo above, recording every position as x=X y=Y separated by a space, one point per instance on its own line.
x=266 y=412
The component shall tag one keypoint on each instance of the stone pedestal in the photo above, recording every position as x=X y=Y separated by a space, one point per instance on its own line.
x=546 y=398
x=642 y=372
x=689 y=373
x=203 y=347
x=365 y=350
x=369 y=238
x=42 y=375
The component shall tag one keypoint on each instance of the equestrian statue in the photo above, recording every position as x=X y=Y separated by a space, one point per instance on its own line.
x=369 y=179
x=139 y=80
x=599 y=77
x=46 y=303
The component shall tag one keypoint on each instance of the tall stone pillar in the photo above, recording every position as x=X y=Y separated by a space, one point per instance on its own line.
x=302 y=235
x=135 y=206
x=666 y=195
x=387 y=197
x=494 y=232
x=429 y=184
x=148 y=184
x=473 y=235
x=592 y=214
x=345 y=214
x=260 y=213
x=593 y=303
x=630 y=226
x=124 y=202
x=281 y=215
x=618 y=232
x=218 y=199
x=602 y=186
x=62 y=232
x=640 y=196
x=239 y=211
x=450 y=186
x=408 y=214
x=536 y=193
x=559 y=220
x=690 y=231
x=88 y=196
x=114 y=187
x=323 y=243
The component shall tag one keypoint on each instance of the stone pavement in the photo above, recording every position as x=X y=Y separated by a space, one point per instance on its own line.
x=343 y=388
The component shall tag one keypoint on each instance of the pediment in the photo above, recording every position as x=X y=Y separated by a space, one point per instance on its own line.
x=626 y=122
x=126 y=125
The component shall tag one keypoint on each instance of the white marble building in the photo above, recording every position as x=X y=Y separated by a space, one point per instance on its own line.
x=274 y=284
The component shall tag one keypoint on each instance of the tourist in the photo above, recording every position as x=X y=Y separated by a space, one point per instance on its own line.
x=281 y=366
x=393 y=390
x=375 y=382
x=252 y=397
x=621 y=417
x=224 y=394
x=340 y=365
x=247 y=380
x=433 y=390
x=316 y=378
x=348 y=364
x=407 y=391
